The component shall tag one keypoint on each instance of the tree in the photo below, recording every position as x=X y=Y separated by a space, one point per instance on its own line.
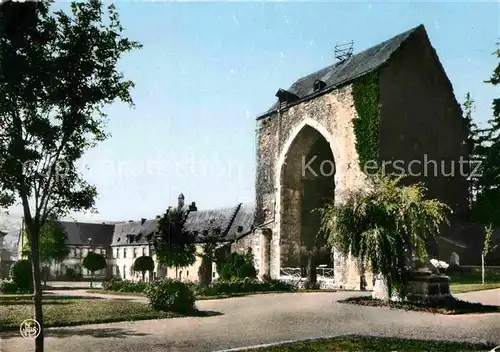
x=174 y=247
x=52 y=246
x=486 y=209
x=143 y=264
x=208 y=256
x=57 y=74
x=94 y=262
x=487 y=248
x=475 y=139
x=385 y=225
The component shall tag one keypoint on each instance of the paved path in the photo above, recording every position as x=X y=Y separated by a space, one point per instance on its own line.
x=259 y=319
x=489 y=297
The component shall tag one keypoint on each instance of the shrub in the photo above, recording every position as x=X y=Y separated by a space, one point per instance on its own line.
x=112 y=284
x=247 y=285
x=237 y=266
x=72 y=274
x=117 y=284
x=21 y=274
x=8 y=286
x=171 y=296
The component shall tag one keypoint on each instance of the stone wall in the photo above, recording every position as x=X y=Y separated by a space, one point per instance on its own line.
x=422 y=121
x=331 y=115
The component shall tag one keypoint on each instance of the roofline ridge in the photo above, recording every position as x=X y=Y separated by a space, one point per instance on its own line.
x=233 y=216
x=408 y=33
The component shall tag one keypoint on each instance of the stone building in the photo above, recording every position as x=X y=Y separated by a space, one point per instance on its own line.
x=123 y=242
x=311 y=148
x=134 y=238
x=82 y=238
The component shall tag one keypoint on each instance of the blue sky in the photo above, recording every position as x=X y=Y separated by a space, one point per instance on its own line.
x=208 y=69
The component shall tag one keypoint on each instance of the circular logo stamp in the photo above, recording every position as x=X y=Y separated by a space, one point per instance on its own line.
x=30 y=329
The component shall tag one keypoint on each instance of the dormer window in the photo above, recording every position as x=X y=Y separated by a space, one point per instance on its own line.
x=285 y=97
x=239 y=229
x=319 y=85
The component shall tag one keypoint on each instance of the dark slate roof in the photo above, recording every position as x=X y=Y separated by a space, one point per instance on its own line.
x=9 y=252
x=245 y=219
x=79 y=232
x=227 y=219
x=355 y=67
x=222 y=218
x=134 y=228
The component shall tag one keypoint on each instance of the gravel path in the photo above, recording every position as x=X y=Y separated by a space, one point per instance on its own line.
x=259 y=319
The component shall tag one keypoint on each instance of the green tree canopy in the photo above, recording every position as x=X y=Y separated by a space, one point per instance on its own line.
x=486 y=208
x=384 y=225
x=58 y=72
x=210 y=244
x=94 y=262
x=52 y=244
x=174 y=247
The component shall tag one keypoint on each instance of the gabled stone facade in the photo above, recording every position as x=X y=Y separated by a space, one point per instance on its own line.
x=418 y=114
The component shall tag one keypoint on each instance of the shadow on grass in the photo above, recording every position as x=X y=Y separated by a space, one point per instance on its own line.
x=62 y=327
x=93 y=332
x=69 y=288
x=9 y=300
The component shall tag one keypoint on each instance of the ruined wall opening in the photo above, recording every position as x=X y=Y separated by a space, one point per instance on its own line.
x=307 y=183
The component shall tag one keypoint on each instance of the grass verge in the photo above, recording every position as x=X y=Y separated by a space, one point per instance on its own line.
x=451 y=306
x=73 y=310
x=368 y=343
x=203 y=298
x=462 y=288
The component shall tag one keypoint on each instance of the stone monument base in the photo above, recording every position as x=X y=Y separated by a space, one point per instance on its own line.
x=428 y=287
x=423 y=286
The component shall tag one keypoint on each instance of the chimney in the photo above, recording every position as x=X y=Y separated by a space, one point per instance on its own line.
x=143 y=220
x=192 y=207
x=180 y=200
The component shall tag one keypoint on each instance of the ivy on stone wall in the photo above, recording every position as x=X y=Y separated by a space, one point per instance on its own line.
x=365 y=93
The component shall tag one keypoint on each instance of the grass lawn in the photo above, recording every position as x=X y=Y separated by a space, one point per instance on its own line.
x=366 y=343
x=72 y=310
x=470 y=280
x=461 y=288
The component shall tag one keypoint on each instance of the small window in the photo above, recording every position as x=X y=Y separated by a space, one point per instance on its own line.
x=124 y=272
x=180 y=275
x=124 y=253
x=135 y=252
x=118 y=253
x=143 y=251
x=187 y=273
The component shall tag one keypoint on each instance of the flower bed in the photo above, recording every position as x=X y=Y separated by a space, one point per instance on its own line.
x=449 y=306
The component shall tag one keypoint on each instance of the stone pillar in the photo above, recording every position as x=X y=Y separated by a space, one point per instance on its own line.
x=264 y=236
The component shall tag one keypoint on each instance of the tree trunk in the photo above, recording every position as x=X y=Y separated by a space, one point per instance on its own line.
x=482 y=268
x=205 y=273
x=362 y=282
x=311 y=272
x=37 y=284
x=91 y=278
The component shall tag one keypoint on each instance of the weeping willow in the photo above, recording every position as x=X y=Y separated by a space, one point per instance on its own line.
x=384 y=225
